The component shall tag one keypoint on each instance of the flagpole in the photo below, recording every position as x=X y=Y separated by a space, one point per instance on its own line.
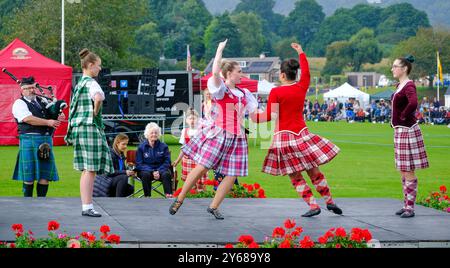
x=437 y=74
x=62 y=31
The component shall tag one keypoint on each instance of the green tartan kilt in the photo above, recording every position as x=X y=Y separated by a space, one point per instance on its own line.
x=91 y=150
x=28 y=165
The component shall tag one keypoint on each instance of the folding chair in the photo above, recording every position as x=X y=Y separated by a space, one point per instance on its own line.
x=156 y=184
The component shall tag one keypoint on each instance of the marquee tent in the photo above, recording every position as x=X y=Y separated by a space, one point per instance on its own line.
x=21 y=60
x=346 y=91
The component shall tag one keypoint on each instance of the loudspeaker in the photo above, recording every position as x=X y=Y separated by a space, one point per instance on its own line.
x=134 y=103
x=110 y=104
x=149 y=80
x=147 y=104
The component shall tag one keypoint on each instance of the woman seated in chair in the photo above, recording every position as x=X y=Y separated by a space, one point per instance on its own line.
x=153 y=161
x=116 y=184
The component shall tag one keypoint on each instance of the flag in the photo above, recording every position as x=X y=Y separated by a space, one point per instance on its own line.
x=188 y=60
x=440 y=77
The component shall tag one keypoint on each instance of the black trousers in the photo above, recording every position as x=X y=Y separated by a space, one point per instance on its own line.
x=147 y=179
x=120 y=186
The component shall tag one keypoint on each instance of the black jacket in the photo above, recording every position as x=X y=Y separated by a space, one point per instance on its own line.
x=116 y=159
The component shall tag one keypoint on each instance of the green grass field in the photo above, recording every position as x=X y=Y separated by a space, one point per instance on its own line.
x=364 y=167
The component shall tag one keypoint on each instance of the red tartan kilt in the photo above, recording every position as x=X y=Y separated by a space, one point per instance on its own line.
x=291 y=153
x=187 y=165
x=409 y=147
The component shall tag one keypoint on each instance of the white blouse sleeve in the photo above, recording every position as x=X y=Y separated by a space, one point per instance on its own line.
x=252 y=103
x=94 y=88
x=216 y=92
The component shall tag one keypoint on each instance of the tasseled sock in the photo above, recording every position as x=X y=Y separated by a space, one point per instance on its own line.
x=411 y=193
x=304 y=190
x=321 y=185
x=41 y=190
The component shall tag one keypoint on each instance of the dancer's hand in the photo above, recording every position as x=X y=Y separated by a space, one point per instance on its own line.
x=222 y=45
x=297 y=48
x=174 y=163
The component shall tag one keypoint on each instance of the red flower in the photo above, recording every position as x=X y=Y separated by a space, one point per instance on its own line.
x=193 y=191
x=323 y=240
x=366 y=235
x=278 y=232
x=356 y=235
x=436 y=194
x=246 y=239
x=338 y=246
x=85 y=235
x=114 y=239
x=228 y=246
x=105 y=229
x=443 y=189
x=285 y=244
x=257 y=186
x=261 y=193
x=53 y=225
x=253 y=245
x=289 y=224
x=209 y=182
x=250 y=188
x=306 y=242
x=340 y=232
x=216 y=183
x=12 y=245
x=329 y=234
x=17 y=227
x=91 y=238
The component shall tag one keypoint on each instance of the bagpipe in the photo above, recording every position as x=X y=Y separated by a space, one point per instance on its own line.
x=53 y=106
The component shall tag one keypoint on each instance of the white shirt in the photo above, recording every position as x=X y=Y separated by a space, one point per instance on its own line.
x=219 y=93
x=20 y=110
x=94 y=88
x=191 y=133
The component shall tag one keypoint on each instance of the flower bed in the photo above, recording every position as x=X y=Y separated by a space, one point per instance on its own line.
x=289 y=237
x=239 y=191
x=61 y=240
x=438 y=200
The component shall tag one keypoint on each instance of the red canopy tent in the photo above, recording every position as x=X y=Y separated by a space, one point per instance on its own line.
x=247 y=83
x=21 y=60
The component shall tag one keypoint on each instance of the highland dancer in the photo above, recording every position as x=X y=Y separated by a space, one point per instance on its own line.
x=222 y=144
x=408 y=140
x=294 y=149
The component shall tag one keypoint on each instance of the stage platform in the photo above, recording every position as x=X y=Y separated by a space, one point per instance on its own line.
x=146 y=223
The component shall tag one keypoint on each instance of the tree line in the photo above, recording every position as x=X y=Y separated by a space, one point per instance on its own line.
x=135 y=34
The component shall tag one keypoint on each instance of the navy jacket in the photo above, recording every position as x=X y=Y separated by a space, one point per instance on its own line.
x=116 y=158
x=153 y=159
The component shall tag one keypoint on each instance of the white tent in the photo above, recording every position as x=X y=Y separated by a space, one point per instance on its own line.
x=264 y=87
x=345 y=92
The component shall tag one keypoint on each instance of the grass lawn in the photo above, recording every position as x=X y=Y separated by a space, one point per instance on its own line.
x=364 y=167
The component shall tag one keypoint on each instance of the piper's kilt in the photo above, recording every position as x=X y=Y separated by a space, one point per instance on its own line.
x=91 y=150
x=29 y=166
x=409 y=147
x=187 y=165
x=290 y=153
x=215 y=148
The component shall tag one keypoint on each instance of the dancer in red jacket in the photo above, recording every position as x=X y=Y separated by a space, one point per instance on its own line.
x=294 y=149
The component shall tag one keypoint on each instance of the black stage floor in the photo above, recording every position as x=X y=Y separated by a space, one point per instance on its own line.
x=147 y=223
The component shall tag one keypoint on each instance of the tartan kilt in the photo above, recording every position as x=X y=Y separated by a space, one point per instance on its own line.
x=215 y=148
x=409 y=148
x=91 y=150
x=290 y=153
x=28 y=165
x=187 y=165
